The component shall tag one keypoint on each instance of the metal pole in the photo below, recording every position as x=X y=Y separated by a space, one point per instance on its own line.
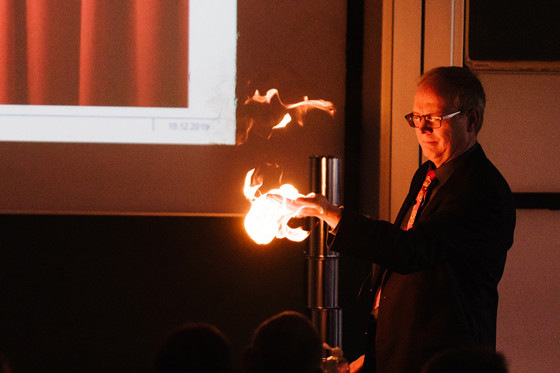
x=322 y=264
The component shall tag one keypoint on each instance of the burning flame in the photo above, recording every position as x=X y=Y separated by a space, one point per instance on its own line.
x=260 y=116
x=264 y=114
x=268 y=218
x=301 y=107
x=284 y=122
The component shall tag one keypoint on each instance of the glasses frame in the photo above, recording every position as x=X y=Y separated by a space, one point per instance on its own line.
x=434 y=120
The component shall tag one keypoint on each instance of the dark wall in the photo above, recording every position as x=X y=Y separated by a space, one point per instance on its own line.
x=513 y=30
x=98 y=293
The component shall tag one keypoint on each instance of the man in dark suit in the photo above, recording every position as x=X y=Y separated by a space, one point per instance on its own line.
x=439 y=264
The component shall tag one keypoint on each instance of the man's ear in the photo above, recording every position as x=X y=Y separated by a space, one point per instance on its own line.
x=473 y=117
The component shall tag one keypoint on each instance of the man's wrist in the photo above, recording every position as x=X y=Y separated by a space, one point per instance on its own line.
x=333 y=216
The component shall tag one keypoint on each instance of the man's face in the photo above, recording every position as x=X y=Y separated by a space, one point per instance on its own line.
x=455 y=135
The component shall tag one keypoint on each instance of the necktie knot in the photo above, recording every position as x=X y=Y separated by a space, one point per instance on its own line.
x=430 y=176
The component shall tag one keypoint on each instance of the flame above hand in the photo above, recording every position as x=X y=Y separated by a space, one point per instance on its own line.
x=265 y=113
x=268 y=217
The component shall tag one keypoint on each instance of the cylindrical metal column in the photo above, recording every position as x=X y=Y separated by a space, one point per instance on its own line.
x=322 y=264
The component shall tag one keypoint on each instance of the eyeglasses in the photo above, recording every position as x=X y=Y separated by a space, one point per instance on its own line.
x=432 y=121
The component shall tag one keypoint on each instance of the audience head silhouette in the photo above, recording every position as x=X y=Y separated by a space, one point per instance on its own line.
x=195 y=347
x=286 y=342
x=467 y=360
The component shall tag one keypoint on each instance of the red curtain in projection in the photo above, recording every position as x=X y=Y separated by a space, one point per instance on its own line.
x=94 y=52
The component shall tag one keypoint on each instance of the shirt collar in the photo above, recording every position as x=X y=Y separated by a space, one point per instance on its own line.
x=445 y=170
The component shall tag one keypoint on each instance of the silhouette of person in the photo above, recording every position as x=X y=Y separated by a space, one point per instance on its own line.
x=195 y=347
x=286 y=342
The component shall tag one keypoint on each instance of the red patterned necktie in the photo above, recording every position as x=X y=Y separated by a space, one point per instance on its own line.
x=420 y=198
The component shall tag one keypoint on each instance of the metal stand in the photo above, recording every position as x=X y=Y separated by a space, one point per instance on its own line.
x=322 y=264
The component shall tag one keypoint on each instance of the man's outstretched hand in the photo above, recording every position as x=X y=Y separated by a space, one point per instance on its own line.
x=313 y=205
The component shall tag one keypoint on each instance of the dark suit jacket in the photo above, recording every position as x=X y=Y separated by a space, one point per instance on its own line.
x=441 y=288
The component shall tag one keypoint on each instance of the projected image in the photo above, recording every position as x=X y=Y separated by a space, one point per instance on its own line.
x=118 y=72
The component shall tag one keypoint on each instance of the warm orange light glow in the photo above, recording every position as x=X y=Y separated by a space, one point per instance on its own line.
x=263 y=113
x=268 y=218
x=284 y=122
x=299 y=108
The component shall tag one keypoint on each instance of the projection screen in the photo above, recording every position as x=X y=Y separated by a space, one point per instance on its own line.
x=132 y=108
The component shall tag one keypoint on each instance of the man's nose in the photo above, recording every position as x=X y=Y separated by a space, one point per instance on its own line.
x=424 y=127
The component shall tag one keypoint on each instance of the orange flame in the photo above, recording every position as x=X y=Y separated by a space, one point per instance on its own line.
x=284 y=122
x=266 y=113
x=268 y=218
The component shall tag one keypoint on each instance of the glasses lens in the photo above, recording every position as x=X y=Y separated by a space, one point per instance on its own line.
x=408 y=118
x=431 y=122
x=415 y=120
